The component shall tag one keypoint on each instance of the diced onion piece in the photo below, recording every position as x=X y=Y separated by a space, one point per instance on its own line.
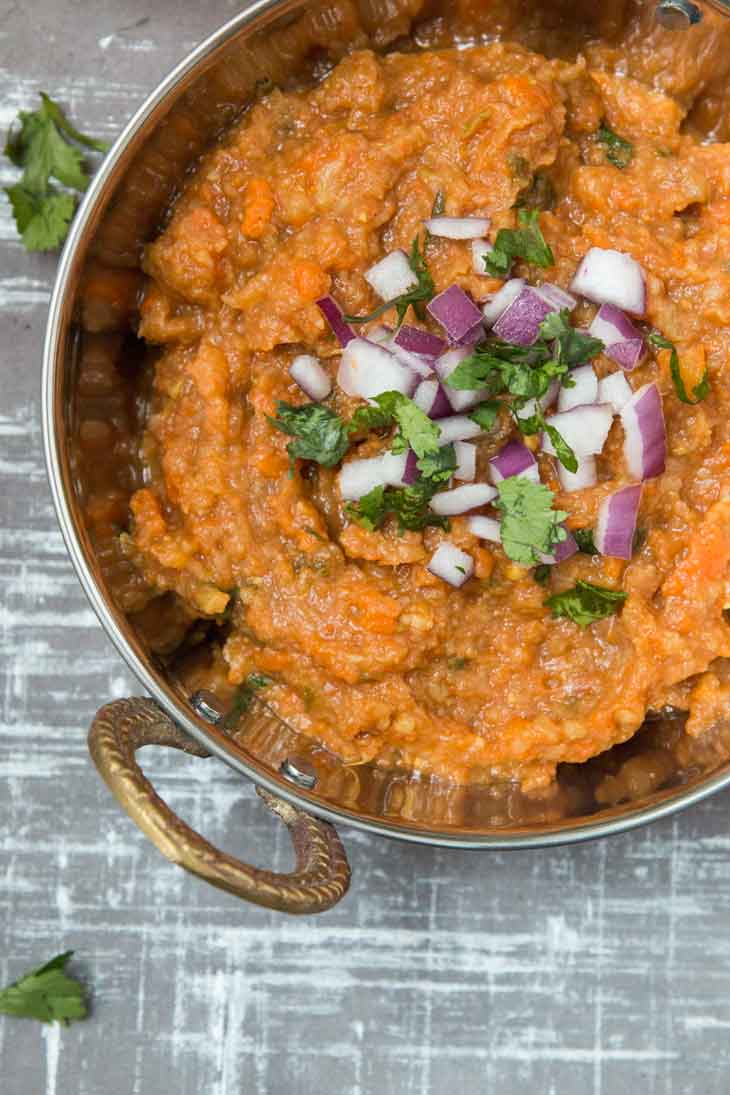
x=502 y=299
x=624 y=342
x=455 y=311
x=616 y=522
x=486 y=528
x=411 y=472
x=311 y=377
x=460 y=399
x=432 y=399
x=458 y=427
x=616 y=390
x=561 y=551
x=479 y=251
x=557 y=297
x=627 y=354
x=458 y=228
x=451 y=503
x=514 y=459
x=584 y=390
x=359 y=477
x=451 y=564
x=520 y=323
x=466 y=461
x=585 y=476
x=421 y=366
x=585 y=429
x=611 y=277
x=645 y=435
x=392 y=276
x=332 y=312
x=380 y=334
x=367 y=370
x=417 y=341
x=473 y=335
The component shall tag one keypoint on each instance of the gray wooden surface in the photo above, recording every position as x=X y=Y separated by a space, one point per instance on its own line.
x=564 y=972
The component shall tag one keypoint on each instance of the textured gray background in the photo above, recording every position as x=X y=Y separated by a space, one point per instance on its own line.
x=563 y=972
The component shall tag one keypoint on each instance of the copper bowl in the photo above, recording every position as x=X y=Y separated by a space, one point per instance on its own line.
x=271 y=41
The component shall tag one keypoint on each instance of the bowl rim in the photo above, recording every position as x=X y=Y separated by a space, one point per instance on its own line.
x=99 y=192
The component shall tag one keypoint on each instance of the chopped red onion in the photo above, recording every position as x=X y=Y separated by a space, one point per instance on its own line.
x=458 y=228
x=458 y=427
x=470 y=339
x=520 y=323
x=311 y=377
x=455 y=311
x=460 y=400
x=514 y=459
x=332 y=312
x=452 y=503
x=431 y=397
x=422 y=366
x=367 y=370
x=501 y=300
x=585 y=389
x=623 y=341
x=451 y=564
x=585 y=429
x=585 y=476
x=466 y=461
x=611 y=277
x=616 y=390
x=616 y=523
x=392 y=276
x=645 y=435
x=557 y=297
x=561 y=551
x=486 y=528
x=410 y=472
x=359 y=477
x=479 y=251
x=417 y=341
x=627 y=354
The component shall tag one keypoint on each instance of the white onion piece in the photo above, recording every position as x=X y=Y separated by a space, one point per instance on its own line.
x=624 y=343
x=456 y=312
x=451 y=503
x=466 y=461
x=460 y=400
x=585 y=476
x=380 y=334
x=486 y=528
x=616 y=522
x=479 y=251
x=611 y=277
x=585 y=389
x=451 y=564
x=458 y=228
x=502 y=299
x=420 y=365
x=392 y=276
x=645 y=435
x=616 y=390
x=585 y=429
x=432 y=399
x=557 y=297
x=514 y=459
x=367 y=370
x=520 y=322
x=359 y=477
x=311 y=377
x=458 y=427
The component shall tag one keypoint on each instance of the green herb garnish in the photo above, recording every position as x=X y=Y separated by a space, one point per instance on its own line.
x=573 y=347
x=42 y=146
x=584 y=539
x=530 y=527
x=416 y=297
x=319 y=433
x=485 y=414
x=619 y=152
x=541 y=574
x=438 y=466
x=408 y=504
x=700 y=391
x=47 y=994
x=244 y=697
x=526 y=242
x=585 y=603
x=415 y=428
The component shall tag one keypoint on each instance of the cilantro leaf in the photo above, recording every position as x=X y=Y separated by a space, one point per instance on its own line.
x=416 y=297
x=485 y=414
x=416 y=430
x=369 y=418
x=319 y=433
x=584 y=539
x=438 y=466
x=563 y=451
x=47 y=994
x=408 y=504
x=529 y=526
x=53 y=111
x=541 y=574
x=572 y=347
x=700 y=391
x=619 y=152
x=586 y=602
x=244 y=697
x=41 y=220
x=526 y=242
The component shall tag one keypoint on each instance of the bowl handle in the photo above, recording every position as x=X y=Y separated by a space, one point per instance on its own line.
x=322 y=874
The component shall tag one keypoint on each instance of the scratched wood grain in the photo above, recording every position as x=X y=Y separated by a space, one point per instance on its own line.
x=592 y=969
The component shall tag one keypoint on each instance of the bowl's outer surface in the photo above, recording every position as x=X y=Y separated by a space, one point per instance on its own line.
x=122 y=209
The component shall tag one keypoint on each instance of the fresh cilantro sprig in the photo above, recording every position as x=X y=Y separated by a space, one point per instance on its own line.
x=415 y=428
x=573 y=347
x=408 y=504
x=526 y=242
x=536 y=422
x=416 y=297
x=45 y=146
x=319 y=433
x=619 y=151
x=529 y=527
x=585 y=603
x=700 y=391
x=47 y=994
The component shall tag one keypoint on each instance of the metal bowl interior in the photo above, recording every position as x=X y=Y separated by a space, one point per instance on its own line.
x=272 y=41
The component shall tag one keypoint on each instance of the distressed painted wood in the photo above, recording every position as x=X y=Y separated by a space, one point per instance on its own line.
x=565 y=972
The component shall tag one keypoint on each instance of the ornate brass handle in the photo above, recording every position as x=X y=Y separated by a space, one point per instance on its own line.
x=322 y=874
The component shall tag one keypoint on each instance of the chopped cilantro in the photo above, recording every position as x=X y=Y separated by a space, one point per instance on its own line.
x=415 y=428
x=585 y=603
x=47 y=994
x=700 y=391
x=438 y=466
x=408 y=504
x=244 y=697
x=529 y=526
x=619 y=152
x=526 y=242
x=369 y=418
x=319 y=433
x=541 y=574
x=416 y=297
x=485 y=414
x=584 y=539
x=573 y=347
